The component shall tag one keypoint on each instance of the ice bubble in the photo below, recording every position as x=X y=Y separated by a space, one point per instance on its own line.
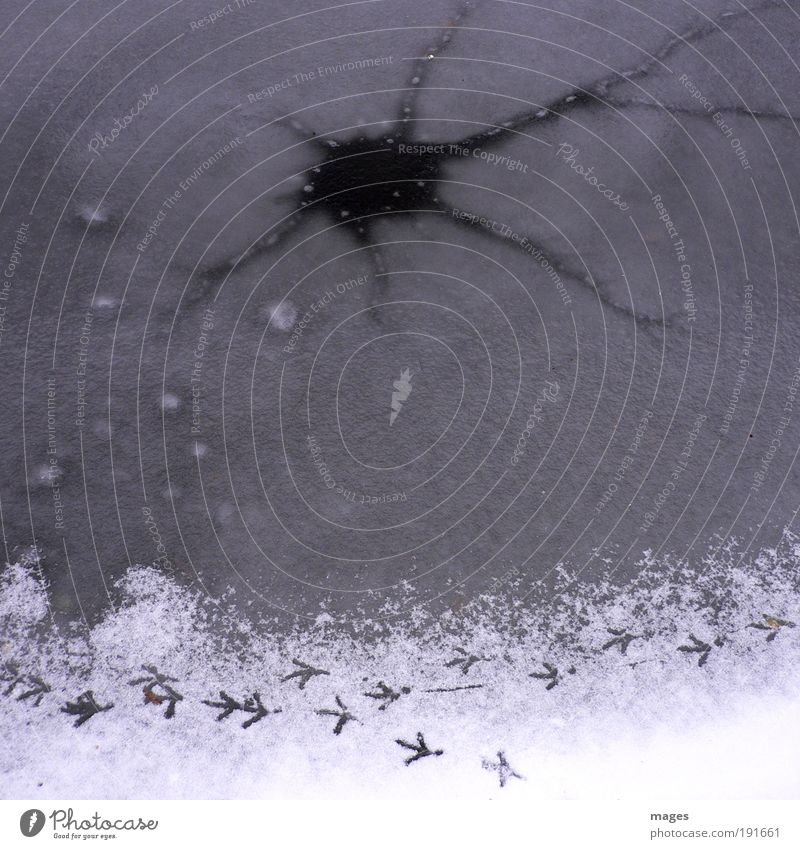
x=169 y=401
x=282 y=316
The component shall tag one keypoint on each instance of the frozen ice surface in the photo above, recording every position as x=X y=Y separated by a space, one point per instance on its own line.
x=167 y=354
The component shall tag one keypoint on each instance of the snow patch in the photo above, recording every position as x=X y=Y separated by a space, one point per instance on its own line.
x=680 y=684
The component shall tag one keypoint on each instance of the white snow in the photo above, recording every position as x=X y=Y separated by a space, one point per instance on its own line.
x=646 y=723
